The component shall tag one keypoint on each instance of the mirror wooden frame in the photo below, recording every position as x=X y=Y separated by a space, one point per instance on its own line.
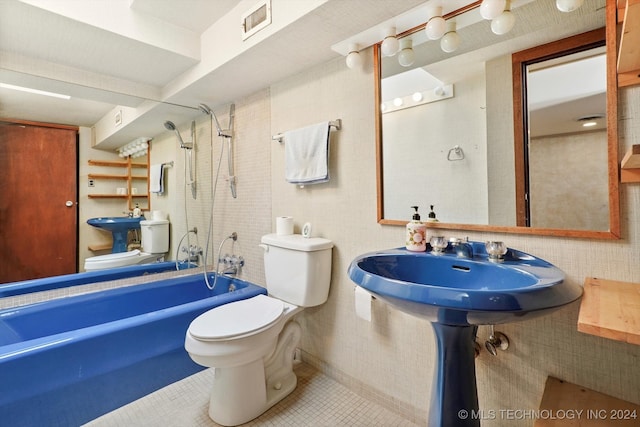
x=612 y=138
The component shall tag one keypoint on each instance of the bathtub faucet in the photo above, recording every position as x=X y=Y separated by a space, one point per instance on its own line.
x=232 y=264
x=193 y=253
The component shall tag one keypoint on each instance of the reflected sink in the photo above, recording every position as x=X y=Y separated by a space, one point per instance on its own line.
x=119 y=226
x=457 y=294
x=464 y=291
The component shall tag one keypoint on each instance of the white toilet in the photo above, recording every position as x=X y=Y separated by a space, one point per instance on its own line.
x=251 y=343
x=155 y=244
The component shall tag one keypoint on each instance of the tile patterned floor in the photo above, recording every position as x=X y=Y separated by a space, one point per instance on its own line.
x=318 y=401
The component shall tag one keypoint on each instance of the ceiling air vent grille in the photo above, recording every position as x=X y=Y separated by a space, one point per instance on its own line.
x=257 y=18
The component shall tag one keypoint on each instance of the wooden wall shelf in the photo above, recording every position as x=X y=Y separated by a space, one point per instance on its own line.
x=116 y=163
x=629 y=50
x=568 y=404
x=611 y=310
x=127 y=177
x=630 y=165
x=100 y=247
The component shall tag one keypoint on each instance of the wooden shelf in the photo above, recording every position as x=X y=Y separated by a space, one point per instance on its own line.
x=128 y=177
x=566 y=404
x=631 y=158
x=630 y=165
x=106 y=176
x=116 y=163
x=100 y=247
x=629 y=51
x=110 y=196
x=611 y=310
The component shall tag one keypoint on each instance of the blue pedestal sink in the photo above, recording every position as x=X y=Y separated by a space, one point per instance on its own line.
x=119 y=227
x=456 y=294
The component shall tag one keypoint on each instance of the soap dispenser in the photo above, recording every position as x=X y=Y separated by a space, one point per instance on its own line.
x=416 y=233
x=137 y=211
x=432 y=216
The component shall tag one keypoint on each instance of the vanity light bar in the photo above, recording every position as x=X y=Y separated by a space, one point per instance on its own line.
x=36 y=91
x=425 y=97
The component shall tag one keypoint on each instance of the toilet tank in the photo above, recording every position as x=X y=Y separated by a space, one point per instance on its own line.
x=155 y=236
x=297 y=269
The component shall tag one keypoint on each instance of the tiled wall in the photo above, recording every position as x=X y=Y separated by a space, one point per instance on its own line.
x=392 y=357
x=249 y=215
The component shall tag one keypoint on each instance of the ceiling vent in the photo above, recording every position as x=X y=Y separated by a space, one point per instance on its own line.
x=257 y=18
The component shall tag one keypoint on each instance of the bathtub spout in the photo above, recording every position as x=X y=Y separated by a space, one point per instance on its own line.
x=232 y=264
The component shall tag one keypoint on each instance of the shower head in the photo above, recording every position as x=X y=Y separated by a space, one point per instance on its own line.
x=169 y=125
x=207 y=110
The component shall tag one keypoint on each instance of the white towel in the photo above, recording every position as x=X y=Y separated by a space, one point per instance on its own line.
x=156 y=181
x=307 y=154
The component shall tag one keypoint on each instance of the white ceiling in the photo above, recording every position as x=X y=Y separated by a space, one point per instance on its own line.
x=121 y=52
x=108 y=53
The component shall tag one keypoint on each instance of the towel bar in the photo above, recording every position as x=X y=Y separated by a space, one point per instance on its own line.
x=337 y=124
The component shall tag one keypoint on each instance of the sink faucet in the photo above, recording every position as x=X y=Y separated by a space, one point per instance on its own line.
x=462 y=247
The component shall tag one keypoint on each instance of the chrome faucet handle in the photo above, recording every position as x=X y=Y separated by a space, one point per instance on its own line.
x=496 y=250
x=438 y=244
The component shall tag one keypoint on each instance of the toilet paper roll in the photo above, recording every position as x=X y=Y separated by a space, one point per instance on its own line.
x=363 y=303
x=284 y=225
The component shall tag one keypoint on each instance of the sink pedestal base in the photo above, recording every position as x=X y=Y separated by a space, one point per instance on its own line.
x=454 y=396
x=119 y=241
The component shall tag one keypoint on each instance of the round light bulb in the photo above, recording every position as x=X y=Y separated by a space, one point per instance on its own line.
x=406 y=56
x=417 y=96
x=398 y=102
x=451 y=40
x=503 y=23
x=491 y=9
x=435 y=27
x=390 y=46
x=354 y=60
x=568 y=5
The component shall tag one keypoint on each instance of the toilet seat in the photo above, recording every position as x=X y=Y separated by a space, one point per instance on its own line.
x=119 y=259
x=237 y=319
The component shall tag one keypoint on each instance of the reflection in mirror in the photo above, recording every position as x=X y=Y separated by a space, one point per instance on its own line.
x=565 y=97
x=446 y=131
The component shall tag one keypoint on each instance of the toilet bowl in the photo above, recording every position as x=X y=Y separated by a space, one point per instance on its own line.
x=120 y=259
x=251 y=343
x=241 y=341
x=155 y=243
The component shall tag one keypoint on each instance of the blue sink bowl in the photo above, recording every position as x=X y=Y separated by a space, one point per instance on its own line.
x=119 y=226
x=456 y=295
x=449 y=289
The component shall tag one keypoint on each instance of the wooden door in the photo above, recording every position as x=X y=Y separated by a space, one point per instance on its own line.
x=38 y=201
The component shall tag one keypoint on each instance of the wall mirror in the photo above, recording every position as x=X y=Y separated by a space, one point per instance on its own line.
x=469 y=131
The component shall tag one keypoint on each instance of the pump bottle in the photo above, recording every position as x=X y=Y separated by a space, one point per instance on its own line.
x=416 y=240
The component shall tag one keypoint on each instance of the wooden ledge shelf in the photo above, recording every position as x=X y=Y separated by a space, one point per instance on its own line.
x=611 y=310
x=628 y=54
x=116 y=163
x=100 y=247
x=566 y=404
x=630 y=165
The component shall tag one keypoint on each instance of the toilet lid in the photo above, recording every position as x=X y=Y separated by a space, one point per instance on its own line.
x=237 y=318
x=120 y=259
x=114 y=257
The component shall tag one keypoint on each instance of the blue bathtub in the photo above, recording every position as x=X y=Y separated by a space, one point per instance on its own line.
x=65 y=362
x=66 y=280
